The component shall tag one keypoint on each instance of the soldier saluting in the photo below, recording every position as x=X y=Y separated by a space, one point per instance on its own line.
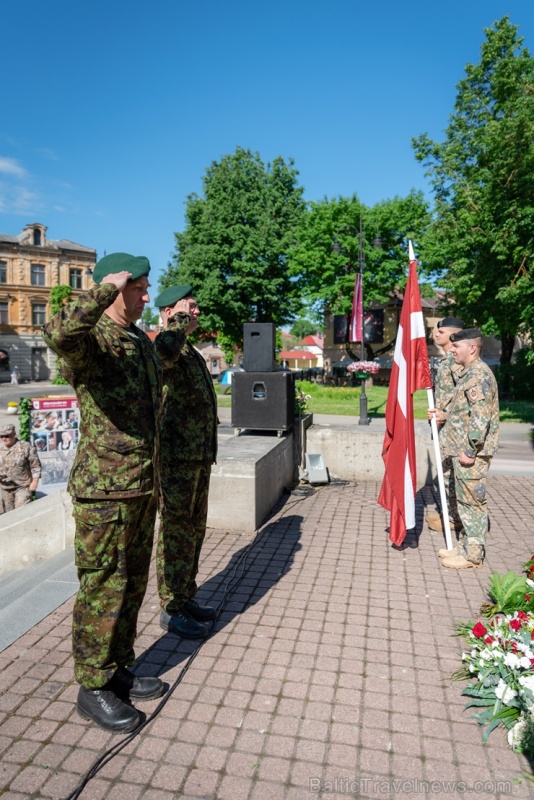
x=188 y=448
x=110 y=364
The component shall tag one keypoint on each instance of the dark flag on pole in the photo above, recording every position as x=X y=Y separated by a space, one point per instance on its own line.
x=356 y=316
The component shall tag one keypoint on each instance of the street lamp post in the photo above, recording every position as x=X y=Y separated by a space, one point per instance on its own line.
x=377 y=244
x=364 y=417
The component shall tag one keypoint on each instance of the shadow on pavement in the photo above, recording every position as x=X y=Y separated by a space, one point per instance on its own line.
x=251 y=572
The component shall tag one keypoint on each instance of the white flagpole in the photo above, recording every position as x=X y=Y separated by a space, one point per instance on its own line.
x=441 y=481
x=435 y=439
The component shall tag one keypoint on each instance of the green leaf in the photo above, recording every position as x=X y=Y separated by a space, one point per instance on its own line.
x=483 y=702
x=489 y=728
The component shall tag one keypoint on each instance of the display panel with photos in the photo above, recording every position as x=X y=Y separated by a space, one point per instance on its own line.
x=55 y=423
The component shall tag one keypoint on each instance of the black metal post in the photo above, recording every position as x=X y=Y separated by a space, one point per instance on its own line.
x=364 y=418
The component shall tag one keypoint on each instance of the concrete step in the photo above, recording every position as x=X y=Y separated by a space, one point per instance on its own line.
x=29 y=595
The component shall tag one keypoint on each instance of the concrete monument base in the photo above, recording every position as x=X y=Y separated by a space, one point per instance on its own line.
x=248 y=479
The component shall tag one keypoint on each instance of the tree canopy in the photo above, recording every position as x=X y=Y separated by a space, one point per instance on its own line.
x=59 y=296
x=303 y=327
x=481 y=242
x=150 y=316
x=235 y=245
x=325 y=274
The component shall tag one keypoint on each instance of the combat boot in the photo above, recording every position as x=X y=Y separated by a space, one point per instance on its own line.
x=459 y=562
x=128 y=686
x=434 y=522
x=444 y=553
x=200 y=613
x=182 y=624
x=106 y=710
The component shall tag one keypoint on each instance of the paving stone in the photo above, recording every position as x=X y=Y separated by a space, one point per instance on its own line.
x=327 y=670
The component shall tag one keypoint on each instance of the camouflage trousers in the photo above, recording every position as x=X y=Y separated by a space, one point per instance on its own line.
x=14 y=498
x=183 y=513
x=448 y=479
x=450 y=489
x=113 y=545
x=470 y=485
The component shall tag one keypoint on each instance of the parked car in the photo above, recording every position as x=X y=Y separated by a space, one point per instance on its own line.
x=225 y=378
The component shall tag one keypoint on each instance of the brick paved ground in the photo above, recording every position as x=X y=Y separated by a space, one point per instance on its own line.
x=330 y=665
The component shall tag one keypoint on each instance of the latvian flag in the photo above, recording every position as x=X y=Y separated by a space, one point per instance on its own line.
x=410 y=372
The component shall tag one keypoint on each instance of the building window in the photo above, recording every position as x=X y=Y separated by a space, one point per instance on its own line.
x=38 y=314
x=38 y=275
x=37 y=237
x=75 y=278
x=3 y=314
x=3 y=272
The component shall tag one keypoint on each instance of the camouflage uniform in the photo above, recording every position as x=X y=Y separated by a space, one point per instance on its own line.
x=19 y=465
x=188 y=448
x=116 y=379
x=472 y=428
x=444 y=386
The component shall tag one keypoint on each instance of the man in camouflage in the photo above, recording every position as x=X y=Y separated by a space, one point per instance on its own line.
x=444 y=384
x=188 y=448
x=20 y=470
x=111 y=366
x=470 y=439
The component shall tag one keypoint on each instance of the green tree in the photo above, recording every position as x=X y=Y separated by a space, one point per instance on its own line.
x=150 y=316
x=302 y=327
x=235 y=245
x=59 y=296
x=325 y=275
x=481 y=243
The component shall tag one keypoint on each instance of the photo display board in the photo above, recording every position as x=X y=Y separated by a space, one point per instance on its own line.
x=54 y=432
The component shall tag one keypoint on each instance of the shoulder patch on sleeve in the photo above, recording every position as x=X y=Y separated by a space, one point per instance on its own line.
x=474 y=394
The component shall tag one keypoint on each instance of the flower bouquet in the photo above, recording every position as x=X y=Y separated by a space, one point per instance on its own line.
x=363 y=368
x=501 y=658
x=301 y=402
x=510 y=592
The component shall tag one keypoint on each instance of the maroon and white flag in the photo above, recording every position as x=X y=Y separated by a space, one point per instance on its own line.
x=410 y=372
x=356 y=316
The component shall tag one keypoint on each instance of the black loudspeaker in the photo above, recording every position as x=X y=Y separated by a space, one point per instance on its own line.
x=263 y=400
x=259 y=344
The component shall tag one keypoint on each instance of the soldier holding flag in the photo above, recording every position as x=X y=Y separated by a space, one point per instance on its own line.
x=445 y=382
x=470 y=439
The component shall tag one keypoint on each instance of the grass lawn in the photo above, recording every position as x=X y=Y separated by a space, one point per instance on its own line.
x=343 y=400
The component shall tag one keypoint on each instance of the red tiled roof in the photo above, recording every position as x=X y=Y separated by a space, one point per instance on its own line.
x=312 y=339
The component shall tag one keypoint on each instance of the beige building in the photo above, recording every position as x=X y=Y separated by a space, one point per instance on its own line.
x=30 y=265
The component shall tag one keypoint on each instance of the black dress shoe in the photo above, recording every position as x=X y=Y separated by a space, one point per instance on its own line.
x=200 y=613
x=128 y=686
x=106 y=710
x=182 y=624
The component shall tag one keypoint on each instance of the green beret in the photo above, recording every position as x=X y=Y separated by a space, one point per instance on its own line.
x=467 y=333
x=170 y=296
x=121 y=262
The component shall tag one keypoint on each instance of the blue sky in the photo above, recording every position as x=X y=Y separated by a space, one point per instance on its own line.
x=113 y=110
